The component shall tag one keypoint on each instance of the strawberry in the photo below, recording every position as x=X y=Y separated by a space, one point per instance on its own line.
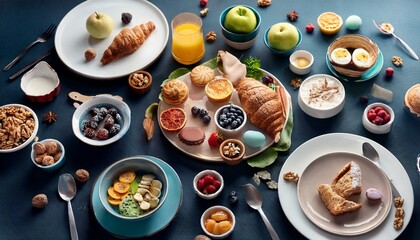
x=310 y=28
x=215 y=139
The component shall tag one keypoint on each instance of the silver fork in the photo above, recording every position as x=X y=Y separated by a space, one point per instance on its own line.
x=42 y=38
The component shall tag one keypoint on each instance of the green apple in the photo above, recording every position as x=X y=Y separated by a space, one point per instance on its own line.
x=283 y=36
x=240 y=19
x=99 y=25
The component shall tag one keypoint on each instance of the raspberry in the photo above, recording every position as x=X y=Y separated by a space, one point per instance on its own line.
x=89 y=133
x=208 y=179
x=216 y=184
x=200 y=184
x=210 y=189
x=102 y=134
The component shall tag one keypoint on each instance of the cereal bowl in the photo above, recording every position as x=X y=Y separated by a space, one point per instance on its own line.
x=117 y=176
x=205 y=178
x=230 y=120
x=87 y=117
x=41 y=83
x=378 y=122
x=300 y=62
x=239 y=37
x=328 y=100
x=8 y=113
x=48 y=154
x=218 y=222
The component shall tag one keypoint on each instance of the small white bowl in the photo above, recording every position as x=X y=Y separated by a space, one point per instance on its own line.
x=296 y=56
x=318 y=107
x=82 y=113
x=230 y=133
x=240 y=45
x=215 y=175
x=11 y=107
x=57 y=164
x=207 y=215
x=41 y=83
x=378 y=129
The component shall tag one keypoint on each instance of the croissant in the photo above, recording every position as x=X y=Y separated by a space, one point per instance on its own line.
x=127 y=42
x=265 y=108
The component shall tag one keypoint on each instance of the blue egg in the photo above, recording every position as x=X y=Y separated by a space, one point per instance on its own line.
x=353 y=22
x=254 y=139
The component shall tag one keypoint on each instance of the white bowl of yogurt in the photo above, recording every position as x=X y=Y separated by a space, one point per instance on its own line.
x=321 y=96
x=41 y=83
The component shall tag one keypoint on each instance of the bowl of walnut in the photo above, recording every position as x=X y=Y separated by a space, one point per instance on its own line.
x=18 y=127
x=48 y=154
x=101 y=120
x=140 y=82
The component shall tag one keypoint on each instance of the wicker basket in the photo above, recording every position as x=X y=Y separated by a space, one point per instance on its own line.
x=351 y=42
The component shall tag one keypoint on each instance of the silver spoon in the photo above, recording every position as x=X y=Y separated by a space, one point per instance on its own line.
x=254 y=200
x=67 y=191
x=370 y=152
x=390 y=31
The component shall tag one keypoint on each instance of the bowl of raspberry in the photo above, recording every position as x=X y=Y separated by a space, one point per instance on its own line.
x=208 y=184
x=101 y=120
x=378 y=118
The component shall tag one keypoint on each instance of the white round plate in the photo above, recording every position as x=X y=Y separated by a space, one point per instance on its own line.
x=341 y=142
x=72 y=38
x=322 y=171
x=197 y=97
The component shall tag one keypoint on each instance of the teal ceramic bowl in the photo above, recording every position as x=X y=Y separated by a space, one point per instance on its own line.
x=278 y=52
x=239 y=37
x=141 y=166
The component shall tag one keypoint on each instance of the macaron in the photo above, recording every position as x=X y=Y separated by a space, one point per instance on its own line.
x=192 y=135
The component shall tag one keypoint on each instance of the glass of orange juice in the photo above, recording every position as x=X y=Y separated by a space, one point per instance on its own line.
x=187 y=38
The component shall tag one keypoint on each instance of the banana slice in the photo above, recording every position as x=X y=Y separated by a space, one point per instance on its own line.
x=144 y=205
x=157 y=184
x=146 y=182
x=154 y=202
x=138 y=197
x=142 y=191
x=148 y=177
x=155 y=191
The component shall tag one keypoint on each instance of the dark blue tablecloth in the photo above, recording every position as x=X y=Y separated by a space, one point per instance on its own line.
x=22 y=20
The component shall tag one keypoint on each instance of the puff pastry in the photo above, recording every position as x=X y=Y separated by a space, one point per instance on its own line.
x=335 y=203
x=175 y=92
x=127 y=42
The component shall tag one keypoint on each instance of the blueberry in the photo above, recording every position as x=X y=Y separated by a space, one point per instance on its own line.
x=195 y=110
x=222 y=117
x=203 y=112
x=239 y=121
x=233 y=199
x=225 y=110
x=234 y=124
x=232 y=193
x=206 y=119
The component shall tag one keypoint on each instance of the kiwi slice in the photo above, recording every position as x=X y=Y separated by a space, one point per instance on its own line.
x=129 y=207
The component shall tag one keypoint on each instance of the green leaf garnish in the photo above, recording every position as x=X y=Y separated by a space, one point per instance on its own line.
x=264 y=159
x=178 y=73
x=253 y=68
x=150 y=110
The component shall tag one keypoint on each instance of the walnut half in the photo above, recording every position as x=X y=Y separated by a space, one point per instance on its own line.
x=40 y=201
x=264 y=3
x=291 y=176
x=211 y=36
x=82 y=175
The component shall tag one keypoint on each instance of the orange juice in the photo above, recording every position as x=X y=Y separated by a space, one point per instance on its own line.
x=187 y=43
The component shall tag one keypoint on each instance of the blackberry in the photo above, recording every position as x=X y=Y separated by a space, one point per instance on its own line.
x=233 y=199
x=364 y=99
x=91 y=124
x=112 y=111
x=102 y=134
x=195 y=110
x=108 y=121
x=94 y=111
x=103 y=111
x=118 y=118
x=115 y=129
x=89 y=133
x=203 y=112
x=126 y=17
x=97 y=118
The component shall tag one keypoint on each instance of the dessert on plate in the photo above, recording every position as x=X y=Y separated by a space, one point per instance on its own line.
x=175 y=92
x=201 y=75
x=348 y=181
x=335 y=203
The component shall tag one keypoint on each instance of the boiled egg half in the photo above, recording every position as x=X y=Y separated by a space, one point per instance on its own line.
x=340 y=56
x=361 y=58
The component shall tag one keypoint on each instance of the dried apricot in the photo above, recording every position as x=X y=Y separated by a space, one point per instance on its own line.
x=127 y=176
x=219 y=216
x=209 y=224
x=222 y=227
x=121 y=187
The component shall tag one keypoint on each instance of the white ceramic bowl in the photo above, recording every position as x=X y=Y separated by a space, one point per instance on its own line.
x=316 y=106
x=141 y=166
x=58 y=164
x=11 y=107
x=230 y=133
x=298 y=56
x=240 y=45
x=41 y=83
x=215 y=175
x=378 y=129
x=82 y=113
x=207 y=214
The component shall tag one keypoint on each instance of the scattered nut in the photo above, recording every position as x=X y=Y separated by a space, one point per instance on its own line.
x=291 y=176
x=204 y=12
x=39 y=148
x=272 y=184
x=90 y=54
x=48 y=160
x=264 y=3
x=397 y=61
x=296 y=82
x=82 y=175
x=398 y=223
x=398 y=202
x=40 y=201
x=264 y=175
x=399 y=213
x=256 y=179
x=51 y=147
x=293 y=16
x=211 y=36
